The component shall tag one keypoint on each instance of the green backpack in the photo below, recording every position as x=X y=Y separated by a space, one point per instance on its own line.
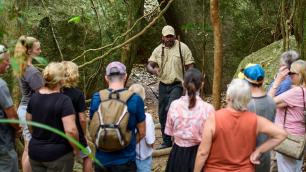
x=108 y=127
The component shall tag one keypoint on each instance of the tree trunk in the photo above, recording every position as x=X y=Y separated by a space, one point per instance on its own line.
x=218 y=51
x=298 y=21
x=129 y=51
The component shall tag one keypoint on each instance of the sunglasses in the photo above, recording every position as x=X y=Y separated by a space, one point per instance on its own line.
x=292 y=73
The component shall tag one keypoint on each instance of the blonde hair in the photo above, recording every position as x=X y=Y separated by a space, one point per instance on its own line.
x=299 y=67
x=53 y=74
x=24 y=43
x=71 y=74
x=139 y=89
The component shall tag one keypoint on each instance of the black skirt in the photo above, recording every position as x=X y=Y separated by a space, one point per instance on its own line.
x=182 y=159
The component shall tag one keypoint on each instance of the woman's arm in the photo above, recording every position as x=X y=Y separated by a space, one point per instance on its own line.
x=277 y=135
x=29 y=118
x=71 y=129
x=282 y=73
x=204 y=148
x=83 y=122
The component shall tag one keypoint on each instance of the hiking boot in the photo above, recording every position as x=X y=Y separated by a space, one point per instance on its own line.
x=163 y=146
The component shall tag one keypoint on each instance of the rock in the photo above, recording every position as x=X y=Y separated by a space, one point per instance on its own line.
x=268 y=57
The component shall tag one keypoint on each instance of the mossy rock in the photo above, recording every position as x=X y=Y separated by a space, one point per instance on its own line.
x=268 y=58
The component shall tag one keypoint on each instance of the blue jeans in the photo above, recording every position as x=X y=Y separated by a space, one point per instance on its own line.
x=144 y=165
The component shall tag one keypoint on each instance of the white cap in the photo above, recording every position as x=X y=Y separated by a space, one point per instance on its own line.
x=168 y=30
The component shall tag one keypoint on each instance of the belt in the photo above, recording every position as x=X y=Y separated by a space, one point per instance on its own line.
x=171 y=84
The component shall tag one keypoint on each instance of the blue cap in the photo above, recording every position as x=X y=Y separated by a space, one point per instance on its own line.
x=254 y=74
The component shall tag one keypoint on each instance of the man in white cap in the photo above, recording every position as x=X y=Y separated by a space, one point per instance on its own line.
x=168 y=62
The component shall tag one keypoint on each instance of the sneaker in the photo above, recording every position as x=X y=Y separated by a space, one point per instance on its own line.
x=163 y=146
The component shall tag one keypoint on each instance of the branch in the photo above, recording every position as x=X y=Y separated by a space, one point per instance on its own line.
x=95 y=74
x=119 y=37
x=52 y=30
x=132 y=38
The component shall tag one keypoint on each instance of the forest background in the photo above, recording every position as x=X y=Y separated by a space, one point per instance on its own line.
x=94 y=32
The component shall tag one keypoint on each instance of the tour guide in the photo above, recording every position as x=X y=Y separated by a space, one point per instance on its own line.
x=168 y=61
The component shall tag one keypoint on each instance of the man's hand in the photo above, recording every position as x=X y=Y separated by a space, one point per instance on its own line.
x=153 y=68
x=156 y=71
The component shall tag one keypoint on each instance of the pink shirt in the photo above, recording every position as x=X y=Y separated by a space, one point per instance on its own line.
x=186 y=125
x=295 y=117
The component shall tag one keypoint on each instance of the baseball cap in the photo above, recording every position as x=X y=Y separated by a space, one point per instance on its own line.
x=168 y=30
x=115 y=68
x=253 y=73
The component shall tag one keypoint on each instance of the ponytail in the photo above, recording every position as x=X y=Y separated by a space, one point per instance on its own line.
x=23 y=44
x=192 y=83
x=191 y=91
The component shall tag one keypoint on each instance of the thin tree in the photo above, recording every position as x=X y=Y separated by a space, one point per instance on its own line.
x=218 y=52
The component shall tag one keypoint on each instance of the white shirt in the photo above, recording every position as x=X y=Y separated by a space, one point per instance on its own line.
x=143 y=148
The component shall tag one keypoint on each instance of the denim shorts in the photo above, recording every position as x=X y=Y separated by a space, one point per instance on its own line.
x=144 y=165
x=22 y=111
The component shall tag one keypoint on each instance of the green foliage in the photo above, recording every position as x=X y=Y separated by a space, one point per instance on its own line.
x=15 y=65
x=199 y=28
x=75 y=20
x=55 y=131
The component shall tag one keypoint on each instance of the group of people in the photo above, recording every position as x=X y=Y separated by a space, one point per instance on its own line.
x=50 y=98
x=236 y=138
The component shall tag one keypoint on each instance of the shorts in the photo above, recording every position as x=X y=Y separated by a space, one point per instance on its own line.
x=84 y=155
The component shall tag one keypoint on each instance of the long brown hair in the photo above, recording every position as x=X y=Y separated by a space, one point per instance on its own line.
x=23 y=44
x=192 y=83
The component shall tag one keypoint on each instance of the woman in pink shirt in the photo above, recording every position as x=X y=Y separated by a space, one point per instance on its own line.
x=291 y=103
x=185 y=122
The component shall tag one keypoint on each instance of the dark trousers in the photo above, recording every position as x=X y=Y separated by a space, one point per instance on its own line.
x=167 y=93
x=127 y=167
x=62 y=164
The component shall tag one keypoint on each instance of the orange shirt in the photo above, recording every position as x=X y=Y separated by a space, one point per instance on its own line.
x=233 y=142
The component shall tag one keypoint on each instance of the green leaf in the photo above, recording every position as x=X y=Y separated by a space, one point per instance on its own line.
x=56 y=131
x=41 y=60
x=75 y=20
x=15 y=65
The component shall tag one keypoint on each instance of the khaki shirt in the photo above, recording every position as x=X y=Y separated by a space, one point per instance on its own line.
x=170 y=65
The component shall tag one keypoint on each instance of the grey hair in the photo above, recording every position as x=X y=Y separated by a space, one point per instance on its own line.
x=288 y=57
x=238 y=94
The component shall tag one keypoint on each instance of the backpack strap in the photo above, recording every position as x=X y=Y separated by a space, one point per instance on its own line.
x=104 y=94
x=125 y=95
x=121 y=95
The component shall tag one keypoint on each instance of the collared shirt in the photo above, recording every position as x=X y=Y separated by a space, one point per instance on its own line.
x=170 y=64
x=186 y=125
x=295 y=123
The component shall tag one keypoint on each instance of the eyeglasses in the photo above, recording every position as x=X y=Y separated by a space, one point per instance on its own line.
x=292 y=73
